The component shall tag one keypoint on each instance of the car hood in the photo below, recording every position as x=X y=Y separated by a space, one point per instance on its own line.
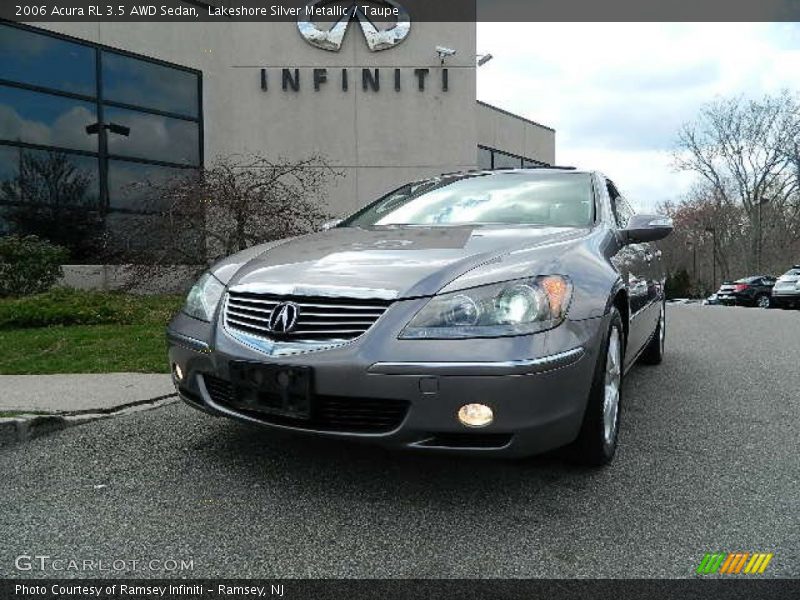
x=386 y=262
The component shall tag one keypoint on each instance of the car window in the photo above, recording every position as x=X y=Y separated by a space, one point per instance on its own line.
x=622 y=210
x=554 y=199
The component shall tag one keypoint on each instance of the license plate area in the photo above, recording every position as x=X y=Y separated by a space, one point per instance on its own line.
x=281 y=390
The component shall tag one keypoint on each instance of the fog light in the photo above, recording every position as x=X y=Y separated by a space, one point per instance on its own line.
x=177 y=371
x=475 y=415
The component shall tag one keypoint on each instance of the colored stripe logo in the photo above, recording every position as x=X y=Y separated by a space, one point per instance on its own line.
x=734 y=563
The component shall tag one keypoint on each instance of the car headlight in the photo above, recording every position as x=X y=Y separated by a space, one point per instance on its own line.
x=203 y=298
x=502 y=309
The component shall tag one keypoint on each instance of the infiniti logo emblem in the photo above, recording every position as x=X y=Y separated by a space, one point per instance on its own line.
x=377 y=39
x=283 y=318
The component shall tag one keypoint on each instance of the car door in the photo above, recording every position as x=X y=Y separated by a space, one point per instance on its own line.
x=635 y=271
x=652 y=285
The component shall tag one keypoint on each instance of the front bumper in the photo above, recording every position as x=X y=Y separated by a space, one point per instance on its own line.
x=537 y=385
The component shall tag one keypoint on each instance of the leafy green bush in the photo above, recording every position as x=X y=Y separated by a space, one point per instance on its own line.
x=29 y=265
x=64 y=306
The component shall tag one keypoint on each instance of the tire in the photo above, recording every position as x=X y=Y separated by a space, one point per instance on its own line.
x=597 y=441
x=763 y=301
x=654 y=351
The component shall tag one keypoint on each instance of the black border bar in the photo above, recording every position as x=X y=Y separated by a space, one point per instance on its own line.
x=732 y=588
x=419 y=10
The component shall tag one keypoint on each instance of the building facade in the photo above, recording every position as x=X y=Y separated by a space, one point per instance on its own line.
x=88 y=108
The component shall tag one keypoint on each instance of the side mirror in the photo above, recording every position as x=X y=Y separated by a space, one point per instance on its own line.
x=330 y=224
x=646 y=228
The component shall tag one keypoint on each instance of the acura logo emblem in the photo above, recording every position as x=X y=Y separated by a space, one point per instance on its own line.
x=283 y=318
x=332 y=38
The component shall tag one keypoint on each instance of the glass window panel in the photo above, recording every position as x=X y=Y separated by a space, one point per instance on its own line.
x=149 y=85
x=45 y=119
x=43 y=60
x=484 y=158
x=54 y=195
x=137 y=187
x=535 y=198
x=154 y=137
x=506 y=161
x=624 y=211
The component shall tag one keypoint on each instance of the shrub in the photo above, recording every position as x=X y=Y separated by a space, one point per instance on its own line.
x=678 y=285
x=64 y=306
x=29 y=265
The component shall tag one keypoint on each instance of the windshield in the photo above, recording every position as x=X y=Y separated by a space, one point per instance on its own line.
x=554 y=199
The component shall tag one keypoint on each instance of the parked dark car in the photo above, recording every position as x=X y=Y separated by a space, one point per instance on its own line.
x=749 y=291
x=481 y=313
x=786 y=292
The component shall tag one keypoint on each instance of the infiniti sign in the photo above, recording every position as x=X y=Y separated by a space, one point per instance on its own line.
x=332 y=38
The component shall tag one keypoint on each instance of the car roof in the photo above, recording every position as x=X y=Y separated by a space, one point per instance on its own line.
x=551 y=170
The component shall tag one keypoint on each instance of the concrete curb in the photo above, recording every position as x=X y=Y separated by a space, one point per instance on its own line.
x=26 y=427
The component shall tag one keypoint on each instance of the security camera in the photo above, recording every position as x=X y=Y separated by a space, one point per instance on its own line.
x=484 y=58
x=444 y=52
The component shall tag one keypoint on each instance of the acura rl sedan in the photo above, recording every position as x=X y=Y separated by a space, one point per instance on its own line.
x=480 y=313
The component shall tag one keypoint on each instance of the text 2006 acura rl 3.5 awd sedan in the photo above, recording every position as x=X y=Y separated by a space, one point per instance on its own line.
x=482 y=312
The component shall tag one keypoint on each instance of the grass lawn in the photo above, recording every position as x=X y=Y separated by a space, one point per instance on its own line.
x=84 y=349
x=84 y=332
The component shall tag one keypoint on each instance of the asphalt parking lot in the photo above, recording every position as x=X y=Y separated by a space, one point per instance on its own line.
x=708 y=462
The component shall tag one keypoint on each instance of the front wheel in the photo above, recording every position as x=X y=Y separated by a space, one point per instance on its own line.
x=763 y=301
x=597 y=440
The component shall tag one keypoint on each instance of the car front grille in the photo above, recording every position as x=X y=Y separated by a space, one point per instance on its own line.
x=328 y=413
x=317 y=318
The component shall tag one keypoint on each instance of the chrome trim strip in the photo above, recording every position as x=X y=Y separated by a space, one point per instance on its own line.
x=317 y=291
x=510 y=367
x=188 y=342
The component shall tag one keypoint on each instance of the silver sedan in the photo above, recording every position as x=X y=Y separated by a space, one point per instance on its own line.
x=480 y=313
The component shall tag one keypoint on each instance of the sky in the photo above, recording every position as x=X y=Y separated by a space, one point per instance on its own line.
x=617 y=93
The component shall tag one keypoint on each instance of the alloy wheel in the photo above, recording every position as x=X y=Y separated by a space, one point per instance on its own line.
x=613 y=379
x=763 y=301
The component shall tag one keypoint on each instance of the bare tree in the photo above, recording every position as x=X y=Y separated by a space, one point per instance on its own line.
x=747 y=153
x=240 y=201
x=707 y=242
